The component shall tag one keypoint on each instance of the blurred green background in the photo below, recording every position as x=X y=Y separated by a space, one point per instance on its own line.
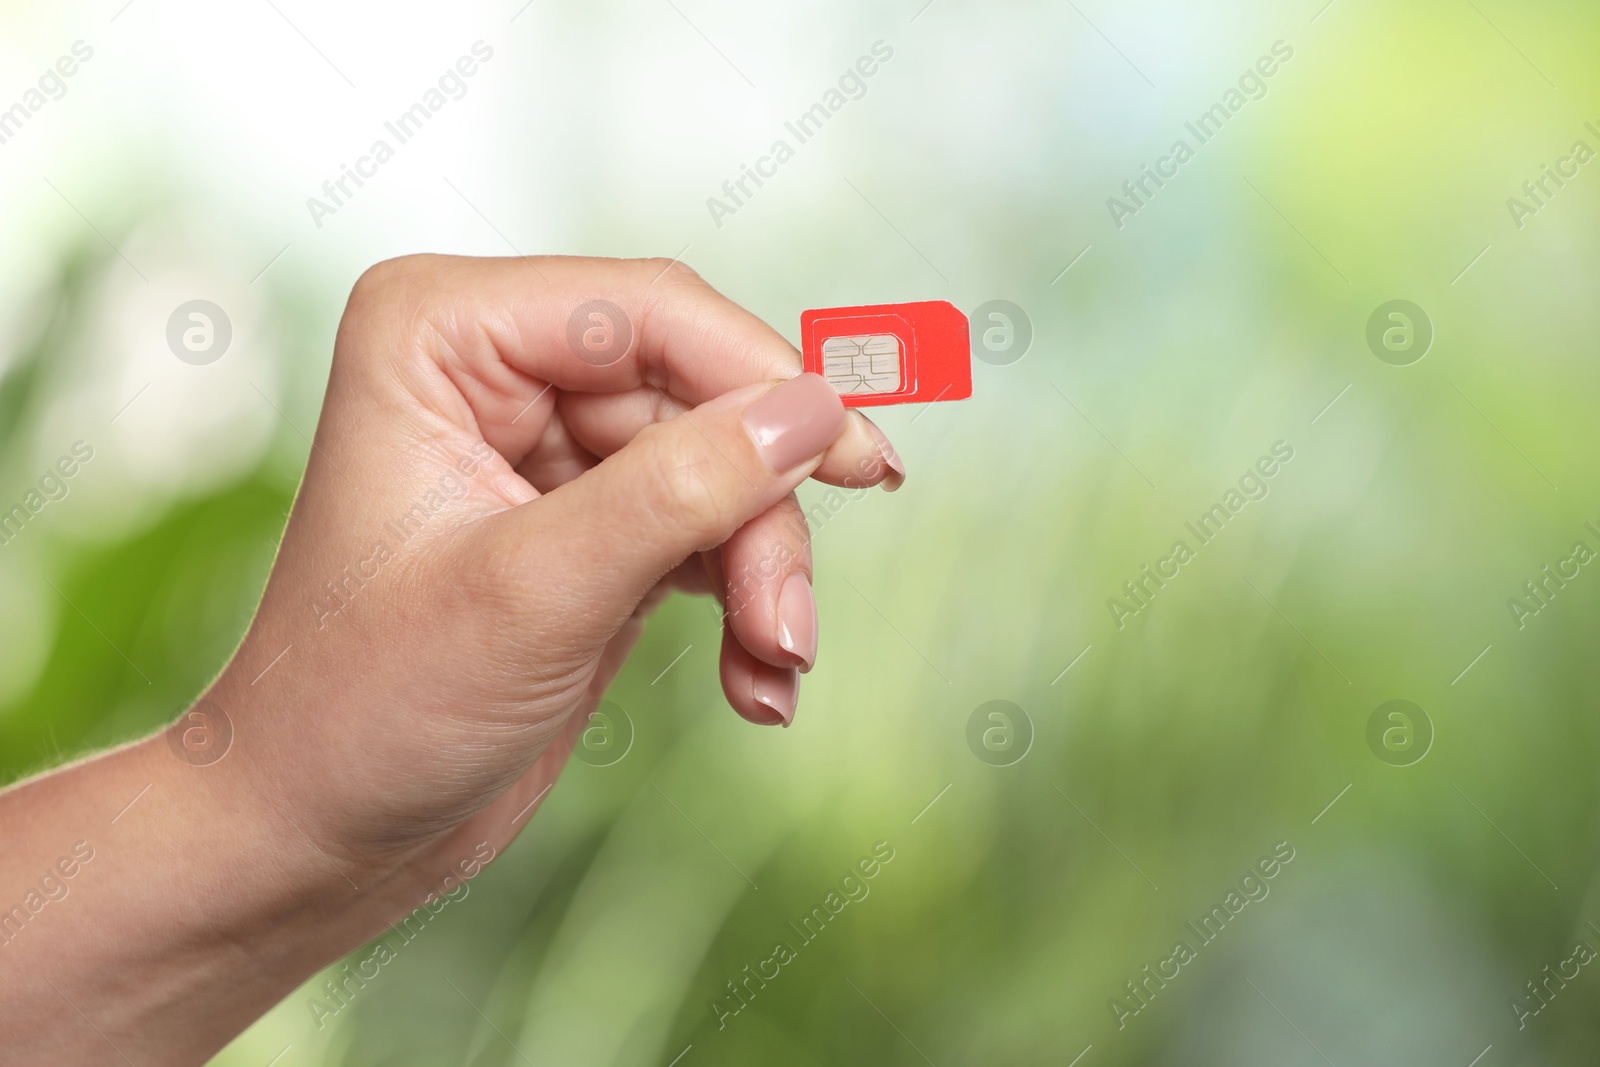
x=1144 y=768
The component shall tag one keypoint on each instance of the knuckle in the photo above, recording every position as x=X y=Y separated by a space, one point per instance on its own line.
x=389 y=280
x=387 y=299
x=666 y=270
x=692 y=487
x=393 y=308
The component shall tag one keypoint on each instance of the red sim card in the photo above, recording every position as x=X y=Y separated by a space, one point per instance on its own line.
x=890 y=353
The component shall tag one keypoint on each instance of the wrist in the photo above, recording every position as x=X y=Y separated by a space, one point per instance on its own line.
x=233 y=905
x=269 y=751
x=182 y=904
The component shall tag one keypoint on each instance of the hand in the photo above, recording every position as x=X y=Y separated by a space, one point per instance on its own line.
x=487 y=514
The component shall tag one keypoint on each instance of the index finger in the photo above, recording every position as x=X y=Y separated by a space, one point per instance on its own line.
x=649 y=322
x=645 y=337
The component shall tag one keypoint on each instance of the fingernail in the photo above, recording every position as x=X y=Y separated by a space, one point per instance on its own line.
x=777 y=692
x=795 y=422
x=897 y=470
x=797 y=620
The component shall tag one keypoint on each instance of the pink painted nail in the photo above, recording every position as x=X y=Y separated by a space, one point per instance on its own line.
x=777 y=692
x=897 y=470
x=797 y=620
x=795 y=422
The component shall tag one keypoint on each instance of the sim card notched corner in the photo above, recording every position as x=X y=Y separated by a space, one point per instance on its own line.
x=890 y=353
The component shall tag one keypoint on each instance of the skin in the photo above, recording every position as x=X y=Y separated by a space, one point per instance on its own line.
x=434 y=710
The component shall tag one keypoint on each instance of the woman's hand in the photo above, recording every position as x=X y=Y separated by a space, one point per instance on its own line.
x=515 y=460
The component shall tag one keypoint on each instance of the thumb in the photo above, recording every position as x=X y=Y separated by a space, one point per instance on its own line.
x=679 y=487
